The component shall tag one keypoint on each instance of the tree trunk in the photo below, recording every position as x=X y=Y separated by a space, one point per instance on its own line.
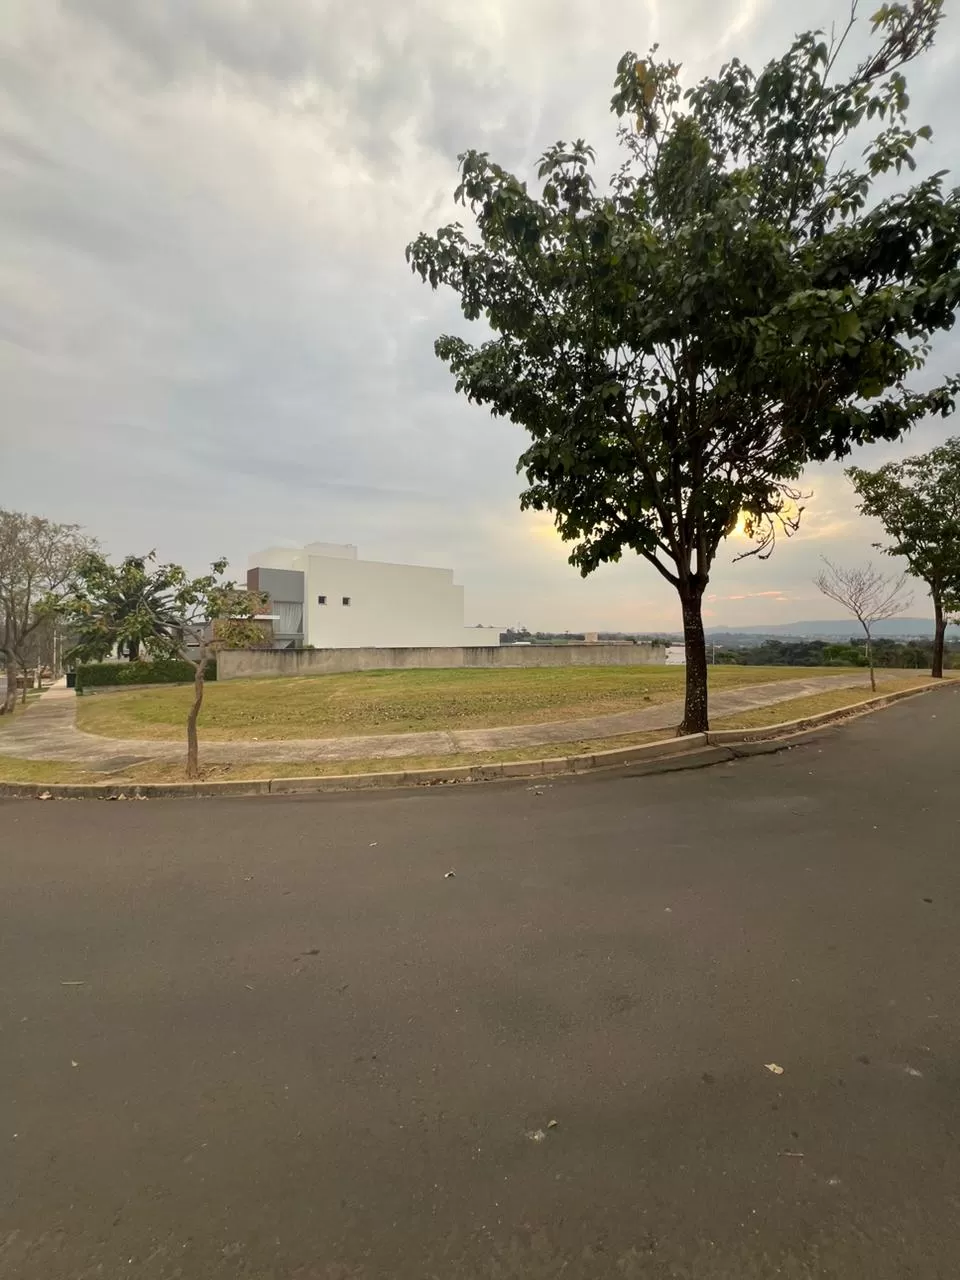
x=193 y=751
x=695 y=714
x=10 y=695
x=133 y=650
x=23 y=691
x=873 y=678
x=940 y=631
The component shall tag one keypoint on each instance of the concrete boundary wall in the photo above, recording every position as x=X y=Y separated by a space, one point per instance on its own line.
x=235 y=664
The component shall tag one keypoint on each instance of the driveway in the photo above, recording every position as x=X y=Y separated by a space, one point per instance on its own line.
x=274 y=1038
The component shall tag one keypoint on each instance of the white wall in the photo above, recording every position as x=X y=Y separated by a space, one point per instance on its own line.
x=279 y=558
x=391 y=605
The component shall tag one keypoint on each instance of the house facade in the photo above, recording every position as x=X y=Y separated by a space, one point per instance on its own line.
x=323 y=595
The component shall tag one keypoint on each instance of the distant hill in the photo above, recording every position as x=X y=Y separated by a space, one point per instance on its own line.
x=838 y=629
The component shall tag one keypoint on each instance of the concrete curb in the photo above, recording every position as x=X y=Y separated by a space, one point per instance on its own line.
x=667 y=755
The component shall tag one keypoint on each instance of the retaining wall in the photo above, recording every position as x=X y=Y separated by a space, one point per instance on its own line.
x=234 y=664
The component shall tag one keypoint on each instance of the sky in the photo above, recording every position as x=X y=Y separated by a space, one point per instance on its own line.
x=210 y=341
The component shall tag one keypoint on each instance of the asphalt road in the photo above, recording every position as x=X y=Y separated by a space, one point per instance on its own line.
x=273 y=1039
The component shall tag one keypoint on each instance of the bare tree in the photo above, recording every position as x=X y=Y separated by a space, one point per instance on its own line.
x=37 y=562
x=871 y=596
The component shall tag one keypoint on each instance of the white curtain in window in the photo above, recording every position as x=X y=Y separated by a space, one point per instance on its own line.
x=289 y=618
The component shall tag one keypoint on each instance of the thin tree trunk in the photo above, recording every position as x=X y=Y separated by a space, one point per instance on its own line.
x=23 y=691
x=193 y=750
x=10 y=695
x=940 y=631
x=873 y=678
x=695 y=712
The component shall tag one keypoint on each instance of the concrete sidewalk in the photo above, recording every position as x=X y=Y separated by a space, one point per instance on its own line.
x=47 y=731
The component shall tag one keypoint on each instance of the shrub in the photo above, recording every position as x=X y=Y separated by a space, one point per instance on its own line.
x=166 y=671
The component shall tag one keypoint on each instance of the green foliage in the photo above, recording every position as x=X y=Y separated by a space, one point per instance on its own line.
x=37 y=559
x=918 y=503
x=139 y=603
x=179 y=619
x=118 y=606
x=736 y=304
x=898 y=654
x=92 y=675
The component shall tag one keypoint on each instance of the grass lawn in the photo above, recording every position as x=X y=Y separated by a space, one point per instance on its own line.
x=401 y=701
x=32 y=696
x=816 y=703
x=14 y=770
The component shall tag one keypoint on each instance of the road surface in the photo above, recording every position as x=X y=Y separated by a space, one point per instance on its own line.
x=275 y=1039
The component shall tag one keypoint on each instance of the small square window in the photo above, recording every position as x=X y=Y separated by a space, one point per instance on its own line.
x=346 y=600
x=321 y=599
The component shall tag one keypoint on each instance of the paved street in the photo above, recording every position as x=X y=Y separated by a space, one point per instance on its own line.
x=274 y=1039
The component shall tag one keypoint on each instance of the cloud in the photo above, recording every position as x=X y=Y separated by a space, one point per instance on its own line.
x=210 y=339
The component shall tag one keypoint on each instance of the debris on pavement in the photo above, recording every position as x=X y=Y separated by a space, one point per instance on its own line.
x=774 y=1068
x=449 y=875
x=540 y=1135
x=44 y=795
x=73 y=984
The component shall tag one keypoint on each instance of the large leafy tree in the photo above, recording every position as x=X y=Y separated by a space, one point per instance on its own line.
x=917 y=501
x=37 y=560
x=737 y=303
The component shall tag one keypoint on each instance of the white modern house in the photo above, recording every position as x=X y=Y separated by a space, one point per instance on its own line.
x=325 y=596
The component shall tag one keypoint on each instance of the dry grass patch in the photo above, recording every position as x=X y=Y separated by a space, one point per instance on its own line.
x=816 y=703
x=48 y=771
x=13 y=769
x=365 y=703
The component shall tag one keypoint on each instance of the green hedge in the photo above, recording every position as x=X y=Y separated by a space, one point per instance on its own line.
x=93 y=674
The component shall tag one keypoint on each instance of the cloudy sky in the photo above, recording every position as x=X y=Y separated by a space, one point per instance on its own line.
x=209 y=339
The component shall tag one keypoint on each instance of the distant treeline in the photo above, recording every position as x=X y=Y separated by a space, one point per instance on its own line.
x=827 y=653
x=520 y=635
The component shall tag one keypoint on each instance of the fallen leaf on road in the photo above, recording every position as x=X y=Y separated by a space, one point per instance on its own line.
x=552 y=1124
x=536 y=1135
x=772 y=1066
x=74 y=1064
x=73 y=984
x=44 y=795
x=449 y=875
